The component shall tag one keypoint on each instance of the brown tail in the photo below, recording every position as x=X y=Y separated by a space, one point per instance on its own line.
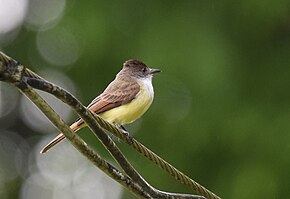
x=74 y=127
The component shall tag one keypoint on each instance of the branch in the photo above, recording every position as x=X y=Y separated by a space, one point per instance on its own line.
x=13 y=72
x=26 y=89
x=67 y=98
x=90 y=119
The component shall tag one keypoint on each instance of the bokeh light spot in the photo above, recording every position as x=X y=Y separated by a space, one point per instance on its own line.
x=42 y=13
x=15 y=11
x=8 y=99
x=64 y=173
x=89 y=178
x=58 y=46
x=37 y=120
x=10 y=153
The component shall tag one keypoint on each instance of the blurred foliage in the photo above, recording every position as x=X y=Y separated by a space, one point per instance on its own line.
x=222 y=102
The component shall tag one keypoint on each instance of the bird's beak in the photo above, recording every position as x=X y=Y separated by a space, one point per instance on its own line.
x=153 y=70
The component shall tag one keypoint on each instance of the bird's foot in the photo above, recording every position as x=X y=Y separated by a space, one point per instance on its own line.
x=126 y=134
x=123 y=128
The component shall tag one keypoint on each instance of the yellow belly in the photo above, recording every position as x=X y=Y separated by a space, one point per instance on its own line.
x=131 y=111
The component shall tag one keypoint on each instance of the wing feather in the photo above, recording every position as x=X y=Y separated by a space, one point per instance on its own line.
x=116 y=94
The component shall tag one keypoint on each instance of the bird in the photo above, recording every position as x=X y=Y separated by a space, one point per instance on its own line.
x=123 y=101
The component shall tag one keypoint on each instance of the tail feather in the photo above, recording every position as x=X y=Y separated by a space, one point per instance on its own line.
x=74 y=127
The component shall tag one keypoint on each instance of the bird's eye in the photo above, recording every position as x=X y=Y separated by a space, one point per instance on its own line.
x=144 y=70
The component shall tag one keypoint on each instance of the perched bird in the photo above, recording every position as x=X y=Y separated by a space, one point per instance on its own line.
x=124 y=100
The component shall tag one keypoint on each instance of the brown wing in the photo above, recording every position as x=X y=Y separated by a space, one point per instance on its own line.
x=116 y=94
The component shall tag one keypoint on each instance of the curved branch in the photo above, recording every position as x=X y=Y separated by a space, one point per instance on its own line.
x=92 y=121
x=69 y=99
x=15 y=76
x=9 y=72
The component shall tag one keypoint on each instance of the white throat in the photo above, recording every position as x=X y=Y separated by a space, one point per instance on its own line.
x=146 y=85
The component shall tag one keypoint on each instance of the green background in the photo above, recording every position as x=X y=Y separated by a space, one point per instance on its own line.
x=221 y=112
